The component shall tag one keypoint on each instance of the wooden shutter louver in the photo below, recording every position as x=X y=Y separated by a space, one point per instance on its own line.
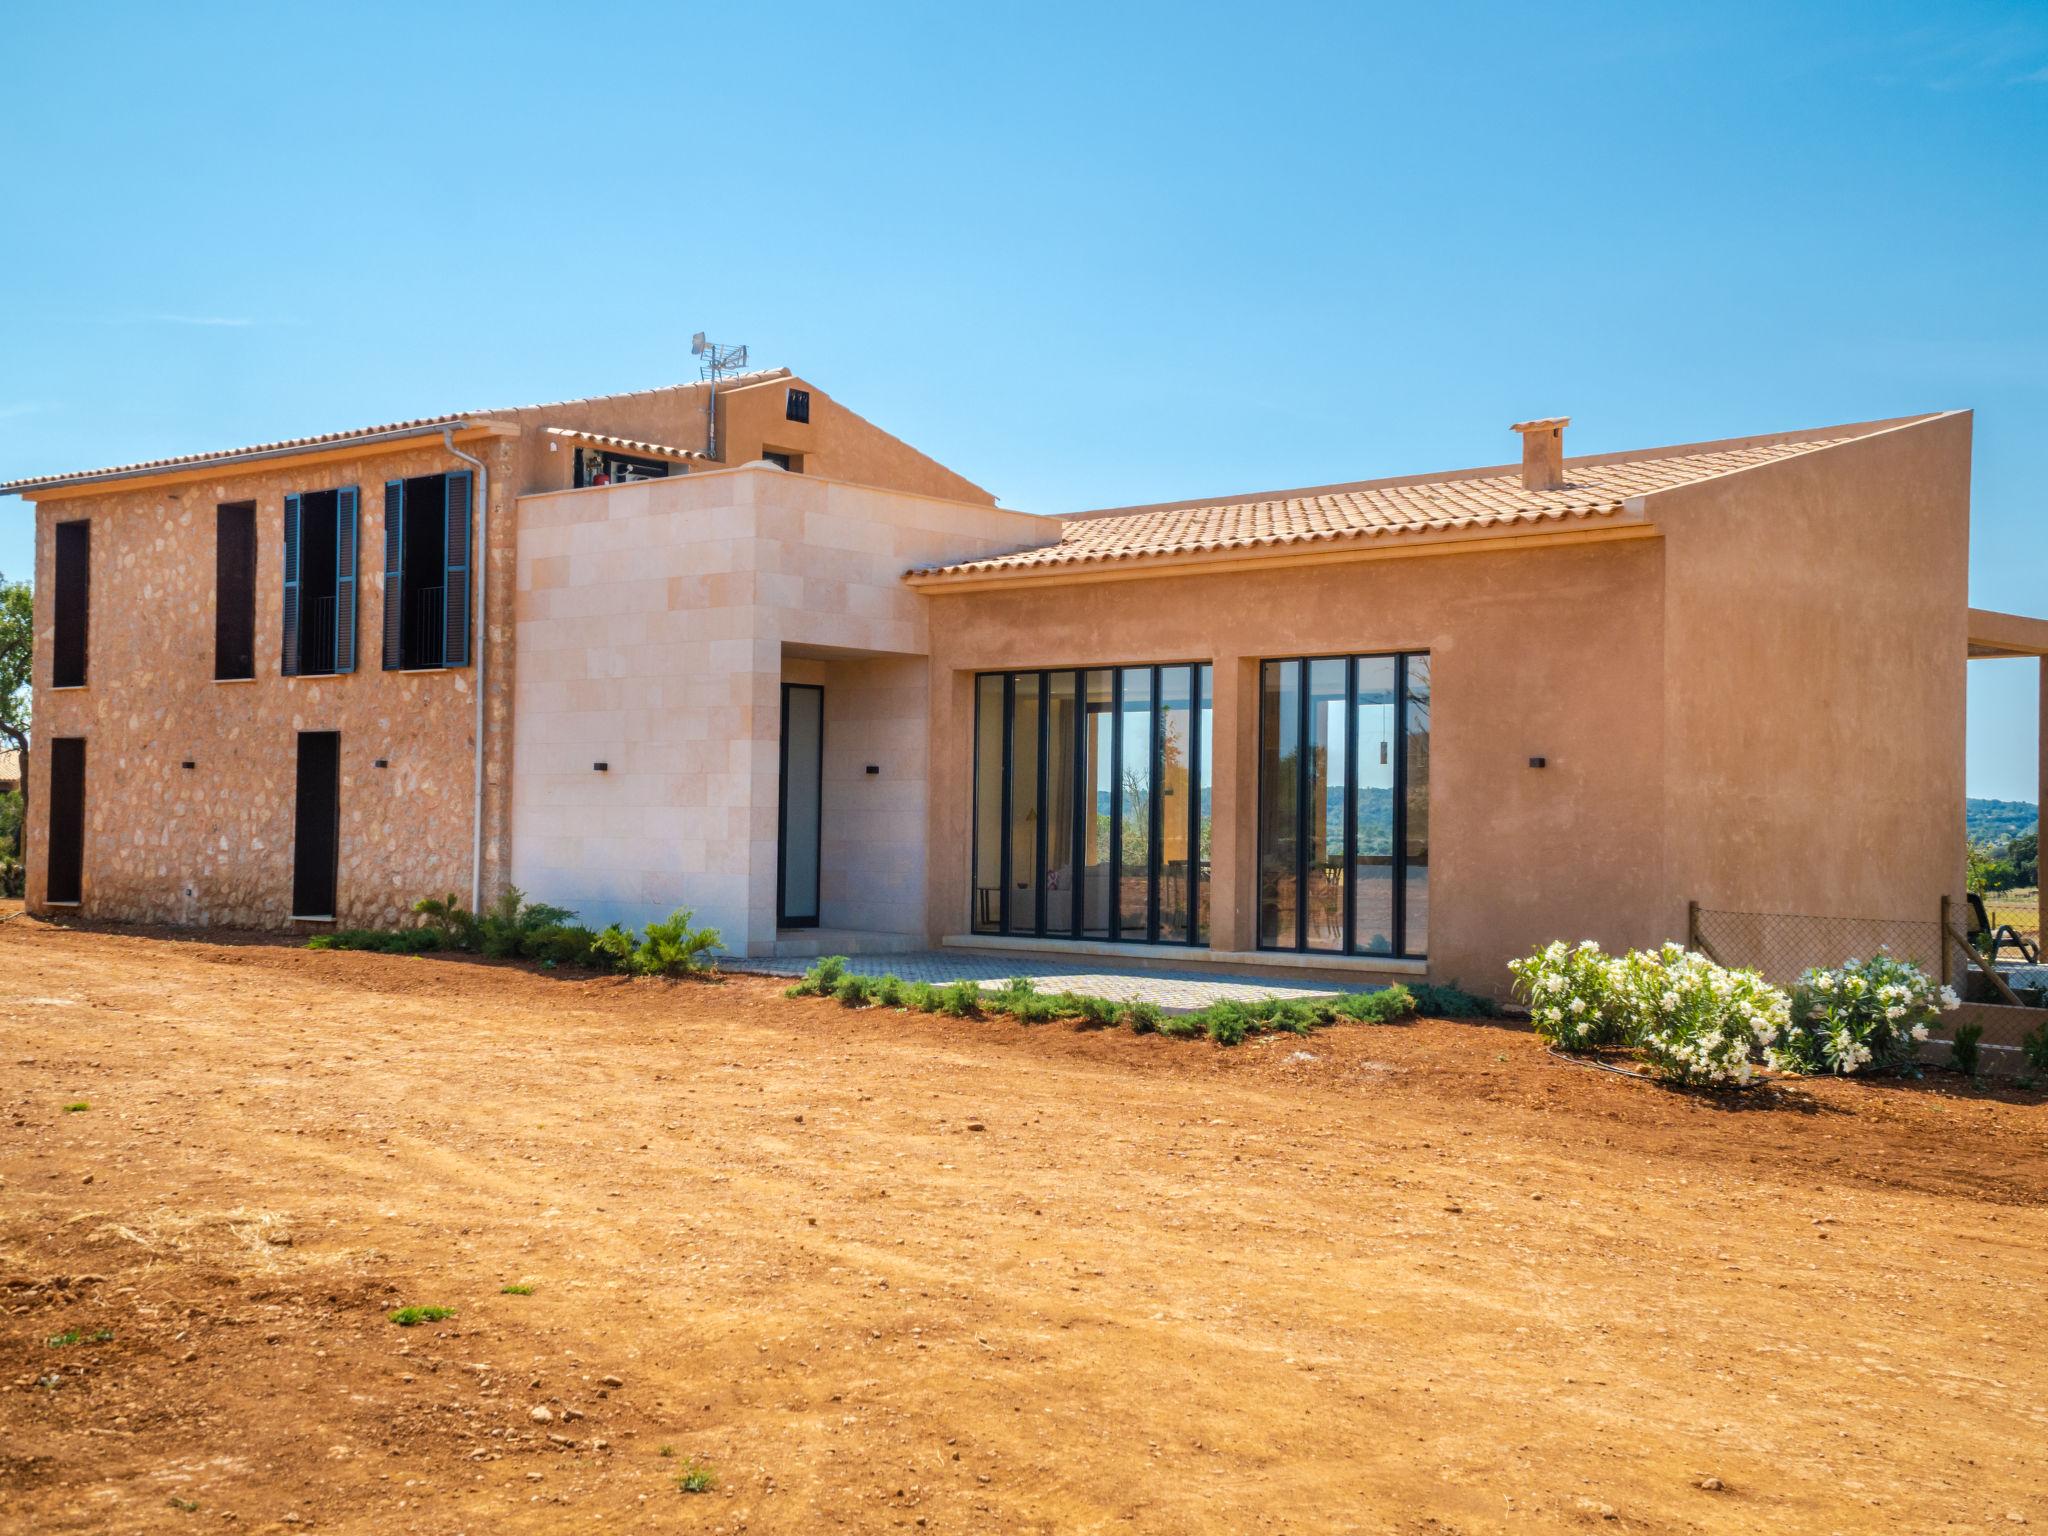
x=290 y=666
x=74 y=604
x=394 y=575
x=346 y=529
x=455 y=652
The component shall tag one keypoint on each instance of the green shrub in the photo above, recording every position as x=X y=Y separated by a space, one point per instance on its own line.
x=960 y=999
x=566 y=944
x=1181 y=1026
x=921 y=996
x=672 y=947
x=1228 y=1023
x=1434 y=1001
x=1382 y=1006
x=855 y=991
x=612 y=947
x=1095 y=1012
x=1866 y=1015
x=1571 y=995
x=1035 y=1008
x=383 y=941
x=822 y=979
x=890 y=991
x=1962 y=1054
x=2034 y=1045
x=1143 y=1018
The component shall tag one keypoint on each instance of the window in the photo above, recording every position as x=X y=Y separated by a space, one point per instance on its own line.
x=320 y=582
x=782 y=458
x=798 y=407
x=64 y=878
x=234 y=591
x=74 y=601
x=427 y=571
x=1091 y=803
x=316 y=824
x=598 y=466
x=1344 y=805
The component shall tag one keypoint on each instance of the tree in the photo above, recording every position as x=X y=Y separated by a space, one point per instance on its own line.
x=17 y=644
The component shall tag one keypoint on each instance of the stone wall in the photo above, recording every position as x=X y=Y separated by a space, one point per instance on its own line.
x=213 y=844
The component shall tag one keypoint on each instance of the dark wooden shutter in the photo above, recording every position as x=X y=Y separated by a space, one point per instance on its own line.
x=455 y=653
x=347 y=527
x=290 y=665
x=234 y=590
x=74 y=603
x=316 y=824
x=394 y=575
x=65 y=876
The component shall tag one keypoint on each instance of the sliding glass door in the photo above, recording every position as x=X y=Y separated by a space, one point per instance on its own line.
x=1091 y=803
x=1344 y=805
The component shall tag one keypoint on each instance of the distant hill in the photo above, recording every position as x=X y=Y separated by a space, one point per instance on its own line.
x=1994 y=821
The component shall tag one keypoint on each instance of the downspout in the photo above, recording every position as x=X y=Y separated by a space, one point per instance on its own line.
x=483 y=632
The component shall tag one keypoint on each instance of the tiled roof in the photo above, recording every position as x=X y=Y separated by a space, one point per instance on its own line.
x=1371 y=510
x=626 y=444
x=286 y=445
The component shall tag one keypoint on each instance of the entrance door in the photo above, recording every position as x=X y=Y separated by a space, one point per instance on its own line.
x=317 y=824
x=65 y=881
x=803 y=767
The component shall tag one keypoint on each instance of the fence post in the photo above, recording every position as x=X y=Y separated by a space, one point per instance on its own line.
x=1692 y=925
x=1941 y=944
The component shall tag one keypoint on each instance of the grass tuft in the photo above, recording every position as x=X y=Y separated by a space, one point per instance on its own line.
x=79 y=1336
x=407 y=1317
x=77 y=1106
x=515 y=1290
x=695 y=1478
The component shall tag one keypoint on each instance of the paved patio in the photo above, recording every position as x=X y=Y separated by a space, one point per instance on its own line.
x=1175 y=991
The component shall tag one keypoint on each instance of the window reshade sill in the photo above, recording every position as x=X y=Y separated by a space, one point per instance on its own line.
x=234 y=679
x=300 y=918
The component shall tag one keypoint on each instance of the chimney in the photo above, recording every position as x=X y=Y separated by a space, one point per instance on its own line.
x=1543 y=452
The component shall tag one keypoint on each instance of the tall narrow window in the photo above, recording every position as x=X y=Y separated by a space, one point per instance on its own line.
x=320 y=582
x=74 y=601
x=989 y=779
x=64 y=879
x=316 y=825
x=427 y=571
x=234 y=591
x=1098 y=801
x=798 y=406
x=1344 y=805
x=1205 y=743
x=1279 y=802
x=1086 y=815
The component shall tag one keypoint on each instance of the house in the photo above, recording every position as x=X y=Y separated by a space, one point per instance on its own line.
x=805 y=680
x=10 y=772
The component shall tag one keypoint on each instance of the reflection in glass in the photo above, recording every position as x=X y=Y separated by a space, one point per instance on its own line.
x=1279 y=800
x=1134 y=883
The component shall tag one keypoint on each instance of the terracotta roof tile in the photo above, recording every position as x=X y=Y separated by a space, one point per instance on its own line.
x=1369 y=510
x=627 y=444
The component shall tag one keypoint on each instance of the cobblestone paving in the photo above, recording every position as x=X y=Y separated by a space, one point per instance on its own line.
x=1175 y=991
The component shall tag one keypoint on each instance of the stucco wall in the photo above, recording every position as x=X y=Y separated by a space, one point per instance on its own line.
x=836 y=443
x=654 y=624
x=1817 y=623
x=1552 y=652
x=213 y=844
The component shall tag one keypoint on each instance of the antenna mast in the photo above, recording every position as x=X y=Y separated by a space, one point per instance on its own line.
x=714 y=362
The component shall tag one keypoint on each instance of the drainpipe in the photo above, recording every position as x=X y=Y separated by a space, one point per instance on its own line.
x=483 y=550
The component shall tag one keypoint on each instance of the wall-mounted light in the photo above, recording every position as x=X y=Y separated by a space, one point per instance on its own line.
x=188 y=763
x=383 y=762
x=874 y=768
x=600 y=767
x=1539 y=762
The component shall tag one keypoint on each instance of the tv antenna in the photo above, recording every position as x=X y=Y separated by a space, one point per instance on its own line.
x=713 y=363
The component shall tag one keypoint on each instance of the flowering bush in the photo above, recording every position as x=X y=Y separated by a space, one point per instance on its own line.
x=1570 y=995
x=1695 y=1021
x=1867 y=1015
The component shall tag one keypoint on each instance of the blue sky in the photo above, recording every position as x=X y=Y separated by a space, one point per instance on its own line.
x=1086 y=254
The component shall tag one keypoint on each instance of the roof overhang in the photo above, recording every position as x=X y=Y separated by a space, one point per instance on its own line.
x=629 y=445
x=325 y=450
x=1627 y=523
x=1995 y=634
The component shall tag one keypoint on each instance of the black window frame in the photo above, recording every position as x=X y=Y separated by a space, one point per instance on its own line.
x=71 y=604
x=797 y=406
x=1201 y=694
x=1398 y=852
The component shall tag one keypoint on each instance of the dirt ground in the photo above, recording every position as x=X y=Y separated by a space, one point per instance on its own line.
x=879 y=1272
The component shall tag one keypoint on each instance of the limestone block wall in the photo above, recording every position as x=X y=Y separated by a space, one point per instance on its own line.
x=654 y=623
x=213 y=844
